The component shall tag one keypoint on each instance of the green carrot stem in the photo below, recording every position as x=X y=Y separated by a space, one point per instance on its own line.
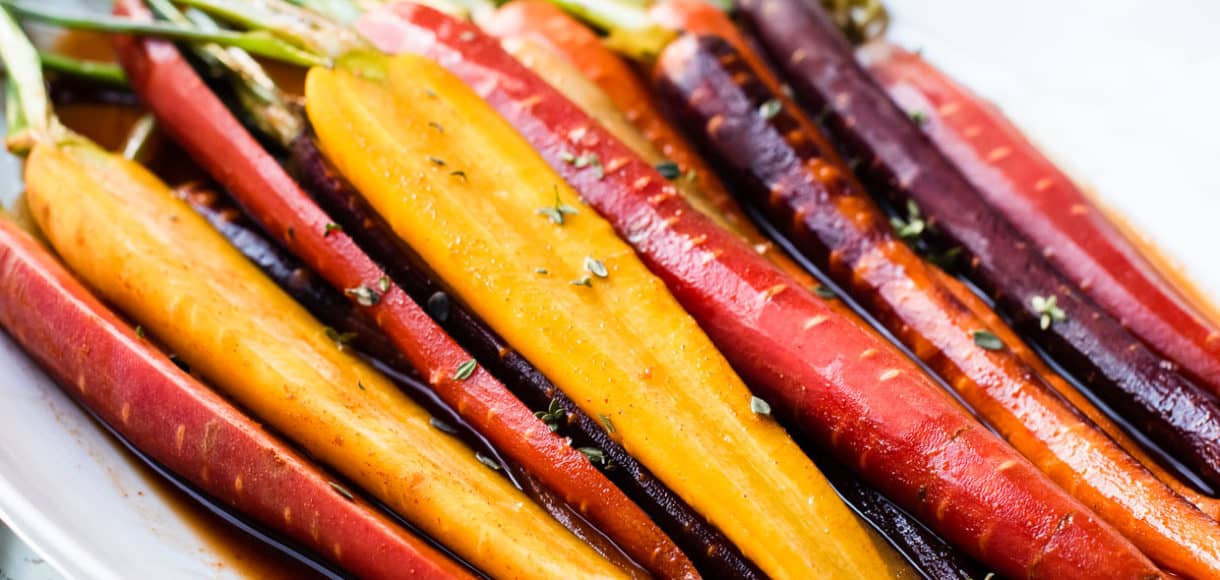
x=256 y=42
x=102 y=73
x=256 y=91
x=632 y=31
x=29 y=105
x=309 y=30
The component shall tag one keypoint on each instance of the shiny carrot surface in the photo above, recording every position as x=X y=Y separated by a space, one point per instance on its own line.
x=899 y=162
x=1017 y=180
x=859 y=397
x=786 y=167
x=199 y=122
x=184 y=426
x=542 y=22
x=563 y=282
x=123 y=232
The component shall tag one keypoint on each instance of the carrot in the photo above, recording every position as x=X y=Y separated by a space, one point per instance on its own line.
x=542 y=22
x=348 y=325
x=992 y=322
x=842 y=385
x=118 y=375
x=927 y=552
x=123 y=232
x=784 y=165
x=197 y=120
x=1024 y=186
x=701 y=17
x=710 y=551
x=669 y=398
x=1145 y=388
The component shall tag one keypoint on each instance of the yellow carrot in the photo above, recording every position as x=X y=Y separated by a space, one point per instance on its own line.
x=513 y=241
x=123 y=232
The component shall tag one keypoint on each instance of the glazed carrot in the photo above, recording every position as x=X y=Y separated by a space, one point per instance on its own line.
x=929 y=554
x=624 y=100
x=185 y=427
x=701 y=17
x=560 y=281
x=1046 y=206
x=898 y=161
x=303 y=285
x=844 y=386
x=786 y=167
x=197 y=120
x=992 y=322
x=123 y=232
x=710 y=551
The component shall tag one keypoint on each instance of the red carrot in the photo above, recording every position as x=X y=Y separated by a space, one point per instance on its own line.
x=165 y=413
x=1018 y=181
x=786 y=167
x=842 y=385
x=191 y=114
x=898 y=161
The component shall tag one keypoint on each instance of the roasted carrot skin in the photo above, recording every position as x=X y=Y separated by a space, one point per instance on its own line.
x=298 y=281
x=711 y=552
x=1020 y=183
x=898 y=161
x=541 y=32
x=786 y=167
x=126 y=382
x=861 y=399
x=199 y=121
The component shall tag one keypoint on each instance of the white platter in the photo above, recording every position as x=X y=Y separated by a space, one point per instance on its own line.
x=1124 y=93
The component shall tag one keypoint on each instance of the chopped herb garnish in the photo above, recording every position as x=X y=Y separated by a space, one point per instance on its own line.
x=556 y=212
x=669 y=170
x=330 y=229
x=485 y=460
x=607 y=422
x=911 y=228
x=590 y=160
x=552 y=415
x=988 y=340
x=442 y=426
x=364 y=295
x=465 y=369
x=360 y=385
x=567 y=157
x=542 y=271
x=1049 y=309
x=436 y=126
x=341 y=338
x=586 y=281
x=139 y=331
x=759 y=406
x=339 y=489
x=438 y=306
x=596 y=456
x=181 y=363
x=825 y=292
x=919 y=117
x=437 y=161
x=596 y=267
x=459 y=173
x=770 y=109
